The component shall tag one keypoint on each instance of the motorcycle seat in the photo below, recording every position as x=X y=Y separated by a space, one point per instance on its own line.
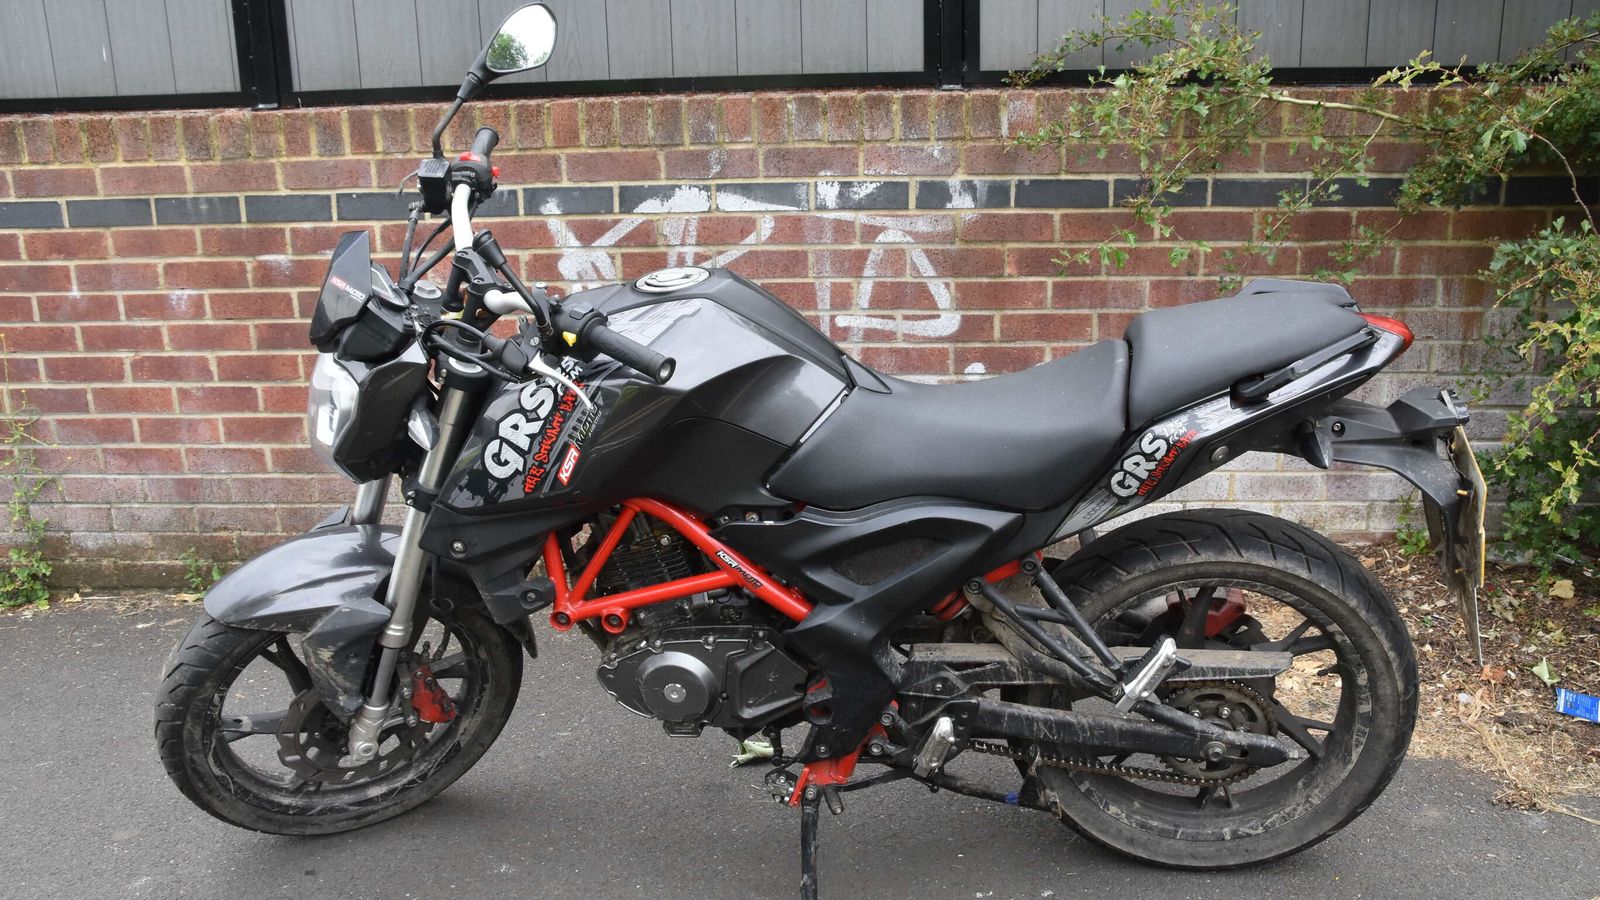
x=1183 y=354
x=1026 y=440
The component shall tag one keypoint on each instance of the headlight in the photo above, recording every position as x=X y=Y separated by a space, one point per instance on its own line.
x=332 y=405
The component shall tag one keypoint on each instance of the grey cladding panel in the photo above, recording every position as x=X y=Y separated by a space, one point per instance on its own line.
x=141 y=49
x=703 y=39
x=1009 y=33
x=895 y=36
x=833 y=36
x=80 y=46
x=25 y=67
x=768 y=32
x=1398 y=30
x=639 y=36
x=1527 y=21
x=203 y=31
x=1334 y=33
x=1467 y=28
x=1279 y=23
x=386 y=44
x=581 y=53
x=449 y=40
x=323 y=38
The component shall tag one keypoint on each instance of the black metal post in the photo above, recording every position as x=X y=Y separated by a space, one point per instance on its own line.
x=261 y=30
x=953 y=16
x=810 y=814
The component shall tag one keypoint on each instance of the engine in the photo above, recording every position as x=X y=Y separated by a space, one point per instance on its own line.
x=712 y=659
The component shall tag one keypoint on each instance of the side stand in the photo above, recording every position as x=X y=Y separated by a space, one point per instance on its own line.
x=810 y=810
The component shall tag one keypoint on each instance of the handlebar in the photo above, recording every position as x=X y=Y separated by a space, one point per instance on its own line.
x=484 y=142
x=630 y=353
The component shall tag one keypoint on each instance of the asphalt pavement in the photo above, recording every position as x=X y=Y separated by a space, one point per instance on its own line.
x=581 y=798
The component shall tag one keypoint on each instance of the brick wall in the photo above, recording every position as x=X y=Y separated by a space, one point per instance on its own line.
x=156 y=271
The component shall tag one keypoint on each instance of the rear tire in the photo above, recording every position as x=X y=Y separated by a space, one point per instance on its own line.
x=196 y=749
x=1376 y=667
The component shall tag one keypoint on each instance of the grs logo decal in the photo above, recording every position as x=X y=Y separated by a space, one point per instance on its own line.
x=1140 y=471
x=733 y=564
x=508 y=452
x=544 y=454
x=564 y=474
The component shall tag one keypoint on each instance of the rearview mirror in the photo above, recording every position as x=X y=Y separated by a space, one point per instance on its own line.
x=524 y=41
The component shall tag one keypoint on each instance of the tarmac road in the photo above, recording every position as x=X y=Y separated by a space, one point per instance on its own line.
x=580 y=798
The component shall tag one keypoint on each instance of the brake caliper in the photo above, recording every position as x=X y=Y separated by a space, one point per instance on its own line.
x=429 y=699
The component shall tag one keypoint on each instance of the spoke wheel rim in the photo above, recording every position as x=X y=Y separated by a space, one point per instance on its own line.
x=1293 y=788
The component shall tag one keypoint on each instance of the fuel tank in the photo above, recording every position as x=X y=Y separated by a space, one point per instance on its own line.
x=752 y=376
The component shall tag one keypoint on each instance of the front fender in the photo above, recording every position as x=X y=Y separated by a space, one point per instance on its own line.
x=326 y=585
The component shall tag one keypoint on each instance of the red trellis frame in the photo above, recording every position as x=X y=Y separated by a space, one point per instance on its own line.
x=574 y=605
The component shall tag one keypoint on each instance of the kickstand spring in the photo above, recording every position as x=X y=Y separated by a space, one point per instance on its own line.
x=810 y=814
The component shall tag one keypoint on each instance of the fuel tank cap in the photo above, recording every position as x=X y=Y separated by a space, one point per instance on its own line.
x=665 y=281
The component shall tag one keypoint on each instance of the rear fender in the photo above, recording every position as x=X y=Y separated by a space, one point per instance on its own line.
x=324 y=584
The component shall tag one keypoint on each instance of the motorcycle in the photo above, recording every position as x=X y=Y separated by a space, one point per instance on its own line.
x=845 y=571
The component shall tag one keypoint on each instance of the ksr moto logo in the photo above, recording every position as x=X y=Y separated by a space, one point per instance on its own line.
x=1143 y=469
x=507 y=454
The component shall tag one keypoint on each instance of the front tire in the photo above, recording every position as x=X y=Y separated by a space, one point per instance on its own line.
x=197 y=737
x=1351 y=633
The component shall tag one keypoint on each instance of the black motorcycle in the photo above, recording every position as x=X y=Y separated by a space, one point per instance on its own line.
x=840 y=569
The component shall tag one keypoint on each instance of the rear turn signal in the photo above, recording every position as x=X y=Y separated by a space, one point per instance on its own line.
x=1393 y=326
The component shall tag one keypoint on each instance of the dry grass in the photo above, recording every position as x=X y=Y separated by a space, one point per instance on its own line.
x=1500 y=717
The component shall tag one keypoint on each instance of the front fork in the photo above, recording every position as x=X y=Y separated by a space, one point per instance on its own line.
x=457 y=406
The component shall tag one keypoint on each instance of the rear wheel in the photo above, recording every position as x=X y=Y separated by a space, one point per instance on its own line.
x=1233 y=580
x=246 y=737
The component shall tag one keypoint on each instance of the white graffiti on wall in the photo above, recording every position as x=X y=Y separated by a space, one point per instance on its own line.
x=592 y=264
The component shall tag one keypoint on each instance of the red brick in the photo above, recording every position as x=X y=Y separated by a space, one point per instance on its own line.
x=20 y=338
x=1007 y=226
x=959 y=262
x=143 y=181
x=79 y=308
x=1009 y=159
x=737 y=118
x=259 y=367
x=33 y=278
x=10 y=246
x=116 y=276
x=327 y=174
x=214 y=336
x=180 y=367
x=232 y=177
x=11 y=152
x=52 y=182
x=806 y=229
x=520 y=168
x=906 y=360
x=529 y=130
x=197 y=136
x=807 y=161
x=121 y=337
x=1001 y=294
x=57 y=399
x=1119 y=293
x=852 y=263
x=719 y=162
x=164 y=143
x=565 y=130
x=914 y=117
x=890 y=159
x=264 y=429
x=233 y=135
x=253 y=305
x=170 y=306
x=771 y=119
x=1053 y=326
x=157 y=242
x=844 y=117
x=82 y=368
x=95 y=431
x=132 y=399
x=217 y=399
x=179 y=430
x=666 y=121
x=613 y=165
x=224 y=461
x=66 y=245
x=68 y=136
x=877 y=116
x=363 y=131
x=983 y=114
x=244 y=240
x=38 y=140
x=205 y=274
x=143 y=460
x=283 y=272
x=600 y=122
x=278 y=336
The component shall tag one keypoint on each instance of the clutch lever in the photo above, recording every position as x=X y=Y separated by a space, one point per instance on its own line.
x=538 y=366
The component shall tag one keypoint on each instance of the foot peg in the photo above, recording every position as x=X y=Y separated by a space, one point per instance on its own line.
x=1156 y=666
x=930 y=756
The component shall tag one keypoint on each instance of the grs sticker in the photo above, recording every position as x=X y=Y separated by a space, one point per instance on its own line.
x=1140 y=471
x=507 y=454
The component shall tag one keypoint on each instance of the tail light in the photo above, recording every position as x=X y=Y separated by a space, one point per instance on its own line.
x=1393 y=326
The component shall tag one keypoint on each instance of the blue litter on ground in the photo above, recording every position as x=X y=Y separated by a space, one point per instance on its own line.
x=1581 y=706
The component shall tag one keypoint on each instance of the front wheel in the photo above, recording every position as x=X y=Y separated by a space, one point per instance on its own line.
x=1222 y=579
x=244 y=735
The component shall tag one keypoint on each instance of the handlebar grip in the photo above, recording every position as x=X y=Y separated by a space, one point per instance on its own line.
x=630 y=353
x=484 y=142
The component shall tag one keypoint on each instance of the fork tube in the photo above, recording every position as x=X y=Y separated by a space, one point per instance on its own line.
x=411 y=561
x=370 y=499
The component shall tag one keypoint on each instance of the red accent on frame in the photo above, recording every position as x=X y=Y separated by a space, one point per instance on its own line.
x=1393 y=326
x=573 y=604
